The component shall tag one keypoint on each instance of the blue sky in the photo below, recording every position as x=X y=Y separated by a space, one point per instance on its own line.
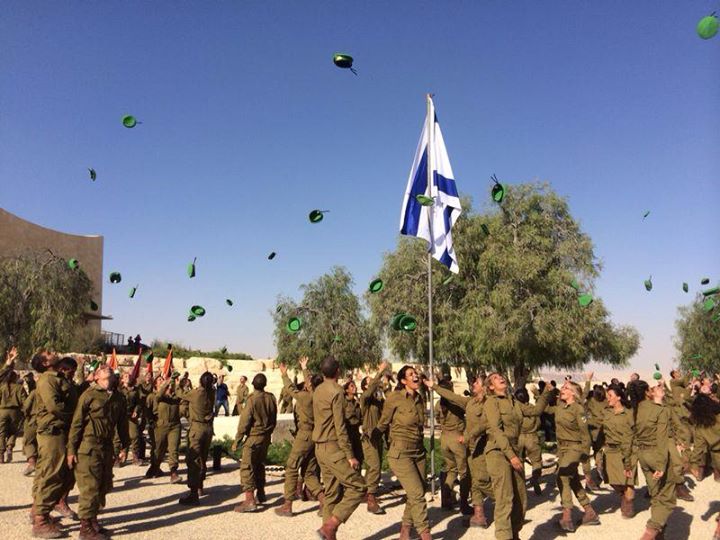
x=247 y=126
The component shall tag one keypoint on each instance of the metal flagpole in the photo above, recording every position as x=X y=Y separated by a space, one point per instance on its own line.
x=430 y=129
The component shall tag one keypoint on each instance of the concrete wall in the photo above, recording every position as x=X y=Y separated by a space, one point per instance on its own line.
x=21 y=237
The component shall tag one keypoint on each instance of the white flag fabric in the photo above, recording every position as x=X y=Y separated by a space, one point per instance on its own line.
x=415 y=219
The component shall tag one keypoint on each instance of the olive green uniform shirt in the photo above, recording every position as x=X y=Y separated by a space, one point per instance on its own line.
x=403 y=417
x=166 y=406
x=259 y=416
x=371 y=404
x=619 y=429
x=303 y=407
x=329 y=416
x=571 y=424
x=504 y=416
x=98 y=414
x=56 y=403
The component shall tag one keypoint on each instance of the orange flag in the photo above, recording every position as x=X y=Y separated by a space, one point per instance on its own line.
x=135 y=373
x=168 y=367
x=113 y=362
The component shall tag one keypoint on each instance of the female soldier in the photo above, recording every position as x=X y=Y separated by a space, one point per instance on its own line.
x=573 y=446
x=30 y=426
x=705 y=417
x=353 y=419
x=504 y=417
x=371 y=404
x=404 y=417
x=167 y=429
x=12 y=395
x=454 y=451
x=473 y=438
x=200 y=403
x=620 y=461
x=653 y=434
x=529 y=442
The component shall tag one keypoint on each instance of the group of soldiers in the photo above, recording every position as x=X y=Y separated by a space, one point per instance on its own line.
x=76 y=433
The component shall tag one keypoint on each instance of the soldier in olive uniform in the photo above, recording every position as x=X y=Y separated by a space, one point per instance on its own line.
x=371 y=404
x=12 y=396
x=285 y=402
x=353 y=419
x=620 y=462
x=147 y=421
x=241 y=392
x=595 y=405
x=403 y=418
x=257 y=422
x=100 y=413
x=529 y=442
x=574 y=445
x=504 y=420
x=344 y=485
x=166 y=409
x=454 y=451
x=654 y=435
x=682 y=437
x=30 y=427
x=55 y=410
x=134 y=415
x=200 y=403
x=302 y=466
x=705 y=418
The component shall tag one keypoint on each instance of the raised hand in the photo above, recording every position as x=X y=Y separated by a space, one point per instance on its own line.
x=589 y=375
x=383 y=366
x=283 y=368
x=304 y=362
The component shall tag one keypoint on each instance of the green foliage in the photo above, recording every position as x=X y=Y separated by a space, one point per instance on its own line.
x=277 y=452
x=42 y=302
x=698 y=337
x=512 y=307
x=333 y=324
x=160 y=348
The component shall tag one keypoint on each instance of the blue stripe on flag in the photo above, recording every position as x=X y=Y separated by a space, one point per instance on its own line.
x=446 y=185
x=413 y=208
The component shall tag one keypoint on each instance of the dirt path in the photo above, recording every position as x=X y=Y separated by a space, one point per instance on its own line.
x=148 y=509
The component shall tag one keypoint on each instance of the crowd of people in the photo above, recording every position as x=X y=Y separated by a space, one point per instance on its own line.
x=74 y=434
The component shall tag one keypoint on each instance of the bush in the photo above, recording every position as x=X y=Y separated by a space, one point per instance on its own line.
x=277 y=453
x=160 y=348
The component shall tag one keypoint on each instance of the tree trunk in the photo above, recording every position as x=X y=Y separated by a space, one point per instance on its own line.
x=520 y=375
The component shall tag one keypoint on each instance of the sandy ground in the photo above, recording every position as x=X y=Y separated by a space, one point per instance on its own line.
x=148 y=509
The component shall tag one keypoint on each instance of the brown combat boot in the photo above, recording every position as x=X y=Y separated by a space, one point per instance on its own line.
x=286 y=509
x=372 y=505
x=43 y=527
x=650 y=534
x=329 y=528
x=478 y=519
x=136 y=459
x=98 y=528
x=405 y=530
x=425 y=535
x=566 y=522
x=88 y=532
x=191 y=498
x=590 y=517
x=627 y=507
x=175 y=477
x=321 y=502
x=117 y=463
x=2 y=457
x=64 y=510
x=716 y=535
x=8 y=455
x=30 y=469
x=683 y=493
x=248 y=505
x=299 y=492
x=535 y=481
x=716 y=475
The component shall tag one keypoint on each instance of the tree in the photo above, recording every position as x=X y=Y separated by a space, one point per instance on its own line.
x=42 y=302
x=333 y=323
x=698 y=338
x=512 y=307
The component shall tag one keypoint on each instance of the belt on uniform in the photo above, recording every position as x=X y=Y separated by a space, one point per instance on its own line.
x=611 y=445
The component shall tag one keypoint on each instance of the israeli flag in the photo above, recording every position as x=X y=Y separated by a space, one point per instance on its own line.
x=433 y=223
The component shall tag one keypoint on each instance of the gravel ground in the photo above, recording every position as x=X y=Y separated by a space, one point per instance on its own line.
x=148 y=509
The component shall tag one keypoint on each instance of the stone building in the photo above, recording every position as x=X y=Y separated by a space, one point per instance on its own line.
x=21 y=237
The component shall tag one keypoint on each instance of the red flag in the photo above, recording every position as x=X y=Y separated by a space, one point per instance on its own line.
x=168 y=367
x=113 y=362
x=135 y=373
